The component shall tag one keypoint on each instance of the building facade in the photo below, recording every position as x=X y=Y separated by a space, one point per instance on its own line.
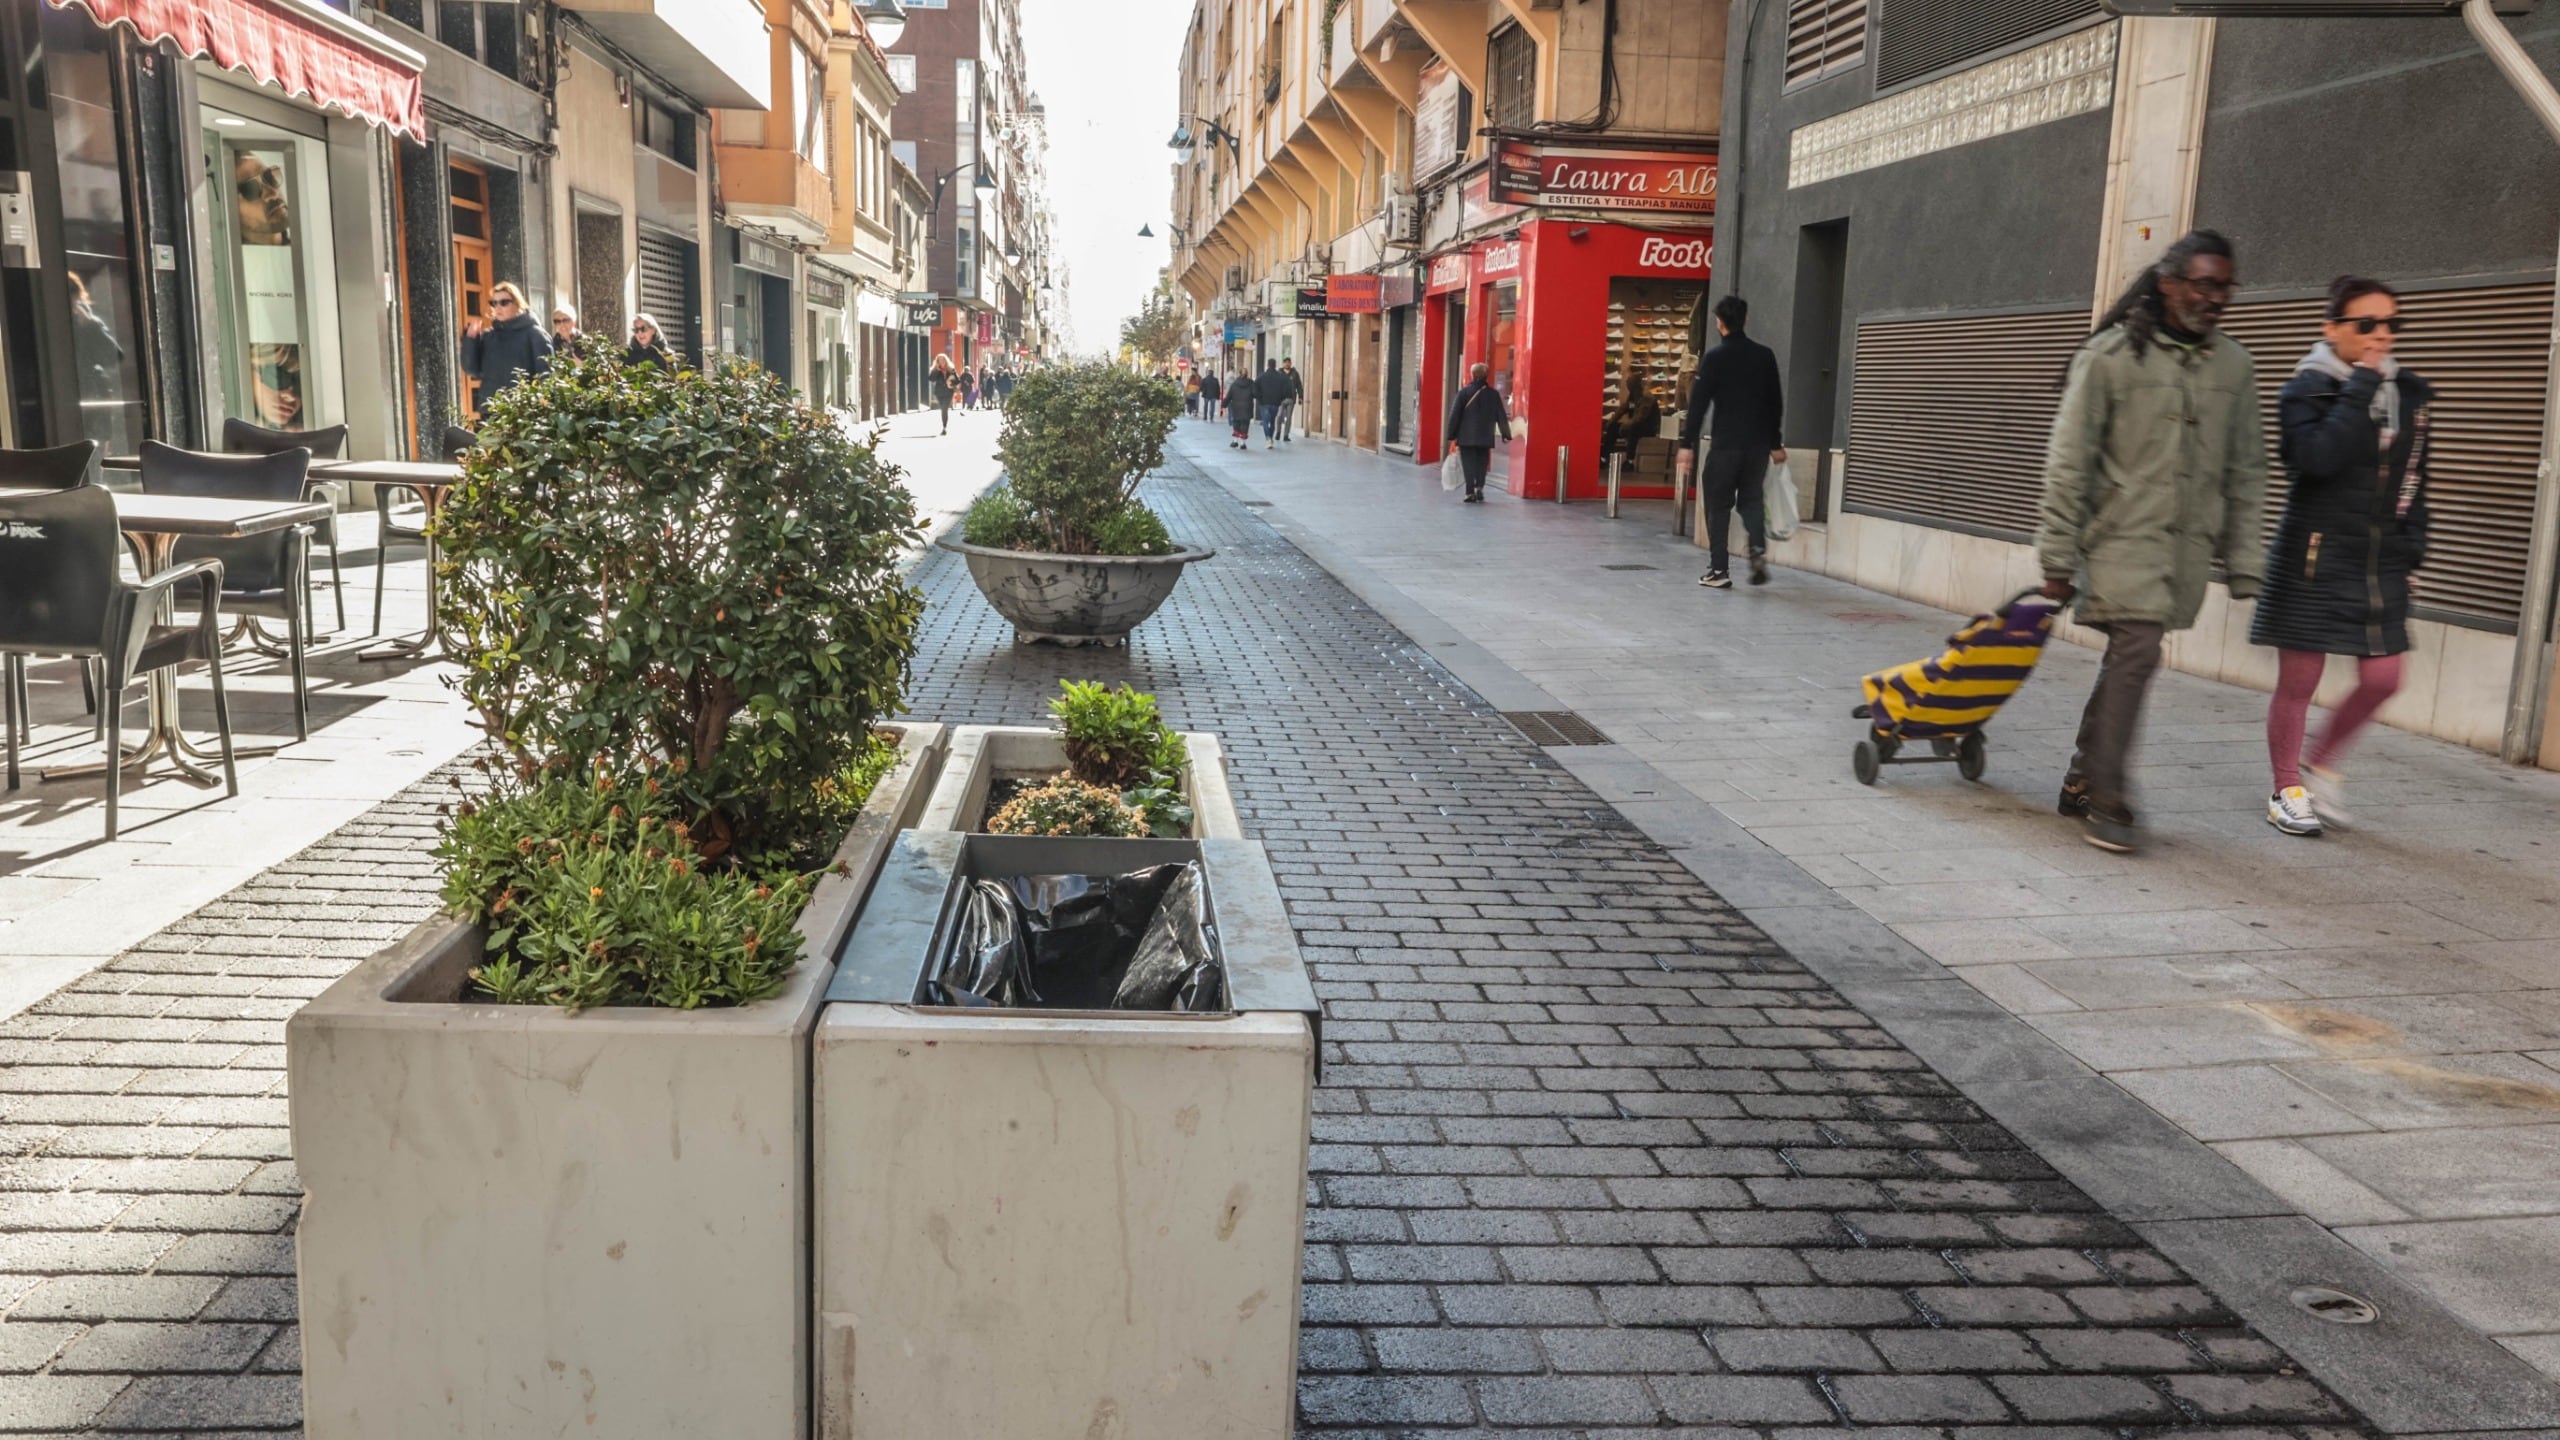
x=1925 y=296
x=1386 y=193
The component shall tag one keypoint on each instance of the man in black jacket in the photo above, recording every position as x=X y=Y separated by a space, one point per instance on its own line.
x=1476 y=419
x=1739 y=378
x=1295 y=390
x=1241 y=398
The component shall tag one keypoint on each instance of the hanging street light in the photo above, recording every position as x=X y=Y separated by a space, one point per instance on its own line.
x=885 y=19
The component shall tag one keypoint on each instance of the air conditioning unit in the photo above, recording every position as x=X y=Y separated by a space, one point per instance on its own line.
x=1404 y=219
x=1235 y=277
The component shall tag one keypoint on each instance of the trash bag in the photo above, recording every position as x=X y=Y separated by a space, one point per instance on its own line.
x=984 y=967
x=1138 y=941
x=1176 y=967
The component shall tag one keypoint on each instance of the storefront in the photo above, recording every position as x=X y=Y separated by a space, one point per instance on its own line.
x=1568 y=313
x=832 y=341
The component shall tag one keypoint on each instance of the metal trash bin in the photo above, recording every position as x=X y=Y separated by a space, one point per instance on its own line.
x=1043 y=1221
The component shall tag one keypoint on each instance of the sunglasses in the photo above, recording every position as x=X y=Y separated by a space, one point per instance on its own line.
x=2367 y=324
x=502 y=303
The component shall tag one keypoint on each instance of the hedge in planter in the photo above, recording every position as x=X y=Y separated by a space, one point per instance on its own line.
x=1077 y=441
x=686 y=567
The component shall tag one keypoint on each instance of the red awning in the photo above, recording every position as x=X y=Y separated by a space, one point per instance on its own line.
x=303 y=49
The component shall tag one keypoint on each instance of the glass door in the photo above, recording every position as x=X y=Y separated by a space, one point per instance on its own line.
x=97 y=240
x=274 y=276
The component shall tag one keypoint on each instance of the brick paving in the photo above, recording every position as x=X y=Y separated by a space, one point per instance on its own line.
x=1594 y=1158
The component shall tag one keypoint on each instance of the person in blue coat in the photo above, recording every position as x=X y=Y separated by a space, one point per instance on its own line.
x=503 y=349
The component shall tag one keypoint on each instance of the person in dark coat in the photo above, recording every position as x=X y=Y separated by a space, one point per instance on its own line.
x=1477 y=419
x=1738 y=380
x=499 y=351
x=2344 y=561
x=1290 y=397
x=944 y=385
x=1242 y=395
x=1636 y=417
x=648 y=345
x=1270 y=393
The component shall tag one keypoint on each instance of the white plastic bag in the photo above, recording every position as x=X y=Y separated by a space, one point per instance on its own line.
x=1452 y=473
x=1786 y=510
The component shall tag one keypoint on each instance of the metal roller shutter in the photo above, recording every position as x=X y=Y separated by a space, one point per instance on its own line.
x=666 y=289
x=1824 y=36
x=2487 y=352
x=1921 y=37
x=1949 y=417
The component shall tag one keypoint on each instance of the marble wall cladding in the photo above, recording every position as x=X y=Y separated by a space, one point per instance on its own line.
x=2053 y=81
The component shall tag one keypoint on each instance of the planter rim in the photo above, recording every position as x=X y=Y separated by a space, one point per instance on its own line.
x=1188 y=555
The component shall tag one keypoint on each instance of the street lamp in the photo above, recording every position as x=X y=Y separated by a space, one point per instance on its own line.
x=984 y=185
x=885 y=19
x=1182 y=137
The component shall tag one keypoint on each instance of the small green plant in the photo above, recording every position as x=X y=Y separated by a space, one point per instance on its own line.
x=1116 y=738
x=1160 y=800
x=1077 y=441
x=594 y=893
x=1068 y=806
x=1134 y=531
x=998 y=521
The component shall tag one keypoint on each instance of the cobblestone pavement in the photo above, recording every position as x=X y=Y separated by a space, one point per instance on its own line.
x=1595 y=1159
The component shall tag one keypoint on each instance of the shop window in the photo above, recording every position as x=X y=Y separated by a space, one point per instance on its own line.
x=1511 y=77
x=1502 y=337
x=97 y=243
x=1919 y=38
x=1824 y=37
x=275 y=281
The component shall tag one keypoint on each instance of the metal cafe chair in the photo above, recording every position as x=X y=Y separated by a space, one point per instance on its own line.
x=62 y=467
x=62 y=592
x=239 y=437
x=263 y=575
x=457 y=442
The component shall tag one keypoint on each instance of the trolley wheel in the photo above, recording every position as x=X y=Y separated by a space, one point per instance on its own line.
x=1972 y=756
x=1944 y=747
x=1866 y=762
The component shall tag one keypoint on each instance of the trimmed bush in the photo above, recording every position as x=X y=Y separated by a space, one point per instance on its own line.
x=1077 y=441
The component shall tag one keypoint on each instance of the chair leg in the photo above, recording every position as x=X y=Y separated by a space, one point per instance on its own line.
x=222 y=728
x=337 y=577
x=115 y=745
x=9 y=721
x=88 y=687
x=19 y=699
x=381 y=565
x=301 y=688
x=93 y=676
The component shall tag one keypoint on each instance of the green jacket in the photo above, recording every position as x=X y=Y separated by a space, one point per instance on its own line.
x=2157 y=468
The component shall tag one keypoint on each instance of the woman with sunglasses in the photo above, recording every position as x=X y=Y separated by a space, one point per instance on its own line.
x=504 y=348
x=2345 y=559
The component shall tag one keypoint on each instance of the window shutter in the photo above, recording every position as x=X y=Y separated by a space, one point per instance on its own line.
x=1824 y=36
x=1921 y=37
x=1949 y=416
x=2487 y=353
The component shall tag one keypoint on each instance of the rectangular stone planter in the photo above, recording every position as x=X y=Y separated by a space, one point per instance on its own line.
x=519 y=1221
x=1061 y=1224
x=982 y=753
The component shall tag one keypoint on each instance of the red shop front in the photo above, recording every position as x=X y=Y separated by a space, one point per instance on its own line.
x=1565 y=312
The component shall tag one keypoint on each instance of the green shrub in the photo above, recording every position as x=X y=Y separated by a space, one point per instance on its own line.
x=1077 y=440
x=682 y=566
x=1115 y=737
x=594 y=893
x=998 y=521
x=1068 y=806
x=1136 y=530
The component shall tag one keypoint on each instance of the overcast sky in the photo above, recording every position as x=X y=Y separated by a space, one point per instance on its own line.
x=1108 y=71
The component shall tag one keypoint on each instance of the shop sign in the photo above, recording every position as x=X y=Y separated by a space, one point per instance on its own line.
x=1663 y=253
x=1439 y=121
x=1352 y=294
x=1450 y=272
x=1498 y=259
x=1597 y=179
x=1476 y=206
x=764 y=256
x=986 y=327
x=1239 y=331
x=878 y=310
x=924 y=314
x=1395 y=291
x=825 y=291
x=1311 y=303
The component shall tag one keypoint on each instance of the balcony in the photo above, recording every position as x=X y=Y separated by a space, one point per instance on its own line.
x=776 y=189
x=714 y=50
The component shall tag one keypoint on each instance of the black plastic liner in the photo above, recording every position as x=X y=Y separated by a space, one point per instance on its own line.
x=1140 y=942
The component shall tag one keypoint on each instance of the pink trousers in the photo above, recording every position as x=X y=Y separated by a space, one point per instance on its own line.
x=2288 y=715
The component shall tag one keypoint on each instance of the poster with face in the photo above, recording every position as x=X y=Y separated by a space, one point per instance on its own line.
x=270 y=285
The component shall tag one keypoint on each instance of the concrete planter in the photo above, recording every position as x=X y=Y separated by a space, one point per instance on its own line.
x=1074 y=599
x=1041 y=1223
x=519 y=1221
x=982 y=754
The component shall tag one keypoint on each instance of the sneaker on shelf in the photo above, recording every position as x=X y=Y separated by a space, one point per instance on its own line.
x=2113 y=834
x=2074 y=804
x=1759 y=569
x=2289 y=810
x=2328 y=796
x=1716 y=580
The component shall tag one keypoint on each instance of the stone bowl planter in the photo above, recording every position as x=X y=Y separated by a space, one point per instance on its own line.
x=1074 y=599
x=520 y=1221
x=979 y=755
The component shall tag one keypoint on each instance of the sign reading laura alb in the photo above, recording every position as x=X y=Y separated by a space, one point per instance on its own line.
x=1599 y=179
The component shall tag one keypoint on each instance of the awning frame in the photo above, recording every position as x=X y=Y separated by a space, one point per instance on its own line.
x=382 y=82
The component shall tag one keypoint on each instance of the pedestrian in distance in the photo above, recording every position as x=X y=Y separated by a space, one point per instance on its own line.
x=1478 y=417
x=504 y=348
x=945 y=386
x=2156 y=469
x=564 y=328
x=1241 y=398
x=648 y=345
x=1738 y=381
x=1295 y=390
x=2343 y=565
x=1270 y=392
x=968 y=388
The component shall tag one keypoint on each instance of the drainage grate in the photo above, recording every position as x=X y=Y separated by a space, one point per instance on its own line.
x=2336 y=1306
x=1555 y=727
x=1630 y=567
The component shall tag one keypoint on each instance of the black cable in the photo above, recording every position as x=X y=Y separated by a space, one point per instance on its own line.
x=1607 y=113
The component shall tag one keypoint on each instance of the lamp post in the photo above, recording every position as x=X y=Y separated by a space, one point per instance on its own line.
x=885 y=20
x=984 y=185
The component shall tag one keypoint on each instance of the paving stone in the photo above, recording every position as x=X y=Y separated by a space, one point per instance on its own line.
x=56 y=1402
x=117 y=1297
x=1806 y=1351
x=142 y=1349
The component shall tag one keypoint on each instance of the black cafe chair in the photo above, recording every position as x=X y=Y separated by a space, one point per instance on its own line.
x=62 y=592
x=263 y=575
x=239 y=437
x=61 y=467
x=457 y=443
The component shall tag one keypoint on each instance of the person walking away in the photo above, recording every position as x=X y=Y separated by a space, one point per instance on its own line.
x=2340 y=572
x=648 y=344
x=499 y=351
x=564 y=328
x=2156 y=469
x=1295 y=390
x=1241 y=395
x=1738 y=380
x=1269 y=392
x=1477 y=418
x=942 y=383
x=968 y=388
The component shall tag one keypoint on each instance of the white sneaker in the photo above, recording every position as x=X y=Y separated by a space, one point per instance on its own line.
x=2289 y=810
x=2328 y=796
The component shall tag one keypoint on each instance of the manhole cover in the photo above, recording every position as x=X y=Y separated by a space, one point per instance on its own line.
x=2335 y=1306
x=1555 y=727
x=1630 y=567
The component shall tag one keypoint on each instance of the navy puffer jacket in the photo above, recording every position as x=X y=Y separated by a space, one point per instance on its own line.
x=2355 y=519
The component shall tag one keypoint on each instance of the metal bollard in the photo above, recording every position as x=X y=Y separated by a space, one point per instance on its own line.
x=1617 y=467
x=1564 y=468
x=1679 y=498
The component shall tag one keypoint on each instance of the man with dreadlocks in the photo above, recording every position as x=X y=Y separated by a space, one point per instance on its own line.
x=2157 y=469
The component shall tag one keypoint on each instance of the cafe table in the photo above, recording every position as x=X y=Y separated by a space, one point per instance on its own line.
x=431 y=481
x=155 y=524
